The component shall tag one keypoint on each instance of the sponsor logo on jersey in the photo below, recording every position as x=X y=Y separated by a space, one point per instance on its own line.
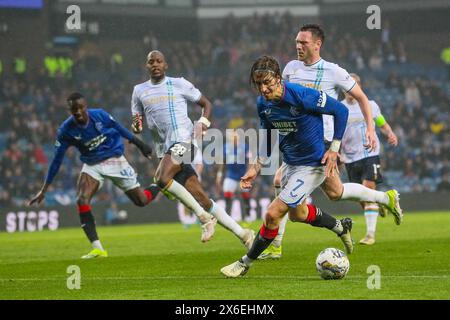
x=156 y=100
x=94 y=143
x=285 y=127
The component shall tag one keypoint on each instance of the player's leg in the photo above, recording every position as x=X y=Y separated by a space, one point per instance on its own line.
x=336 y=190
x=142 y=197
x=355 y=172
x=195 y=188
x=275 y=212
x=86 y=188
x=229 y=186
x=314 y=216
x=165 y=174
x=370 y=215
x=301 y=182
x=274 y=251
x=371 y=175
x=123 y=175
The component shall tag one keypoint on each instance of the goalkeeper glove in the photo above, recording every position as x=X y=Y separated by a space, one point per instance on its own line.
x=136 y=124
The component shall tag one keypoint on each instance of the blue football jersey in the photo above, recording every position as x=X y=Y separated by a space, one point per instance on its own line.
x=236 y=158
x=298 y=118
x=98 y=140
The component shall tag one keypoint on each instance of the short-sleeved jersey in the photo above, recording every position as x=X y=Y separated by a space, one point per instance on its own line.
x=165 y=108
x=322 y=75
x=236 y=159
x=98 y=140
x=355 y=134
x=298 y=118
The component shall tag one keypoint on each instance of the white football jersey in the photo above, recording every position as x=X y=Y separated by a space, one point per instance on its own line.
x=322 y=75
x=354 y=139
x=165 y=108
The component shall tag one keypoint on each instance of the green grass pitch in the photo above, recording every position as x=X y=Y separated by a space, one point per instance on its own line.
x=169 y=262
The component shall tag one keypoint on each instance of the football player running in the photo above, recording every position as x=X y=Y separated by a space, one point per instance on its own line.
x=163 y=100
x=296 y=112
x=310 y=70
x=98 y=138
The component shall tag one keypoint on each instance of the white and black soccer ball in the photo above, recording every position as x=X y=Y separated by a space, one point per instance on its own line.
x=332 y=263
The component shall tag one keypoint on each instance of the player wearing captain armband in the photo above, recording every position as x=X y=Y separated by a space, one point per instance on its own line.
x=363 y=166
x=312 y=71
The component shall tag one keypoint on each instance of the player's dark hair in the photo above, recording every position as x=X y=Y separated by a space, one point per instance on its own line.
x=264 y=64
x=316 y=31
x=73 y=97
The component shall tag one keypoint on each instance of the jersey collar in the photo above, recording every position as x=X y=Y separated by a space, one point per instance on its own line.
x=310 y=65
x=159 y=83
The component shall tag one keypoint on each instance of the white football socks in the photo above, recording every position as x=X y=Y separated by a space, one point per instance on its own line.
x=189 y=201
x=224 y=219
x=358 y=192
x=371 y=215
x=97 y=245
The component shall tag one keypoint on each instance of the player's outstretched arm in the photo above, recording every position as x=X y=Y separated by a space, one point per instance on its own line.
x=386 y=129
x=250 y=176
x=37 y=199
x=136 y=113
x=319 y=102
x=357 y=93
x=60 y=150
x=145 y=149
x=389 y=133
x=206 y=106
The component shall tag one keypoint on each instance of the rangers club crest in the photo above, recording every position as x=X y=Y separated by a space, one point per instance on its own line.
x=295 y=111
x=99 y=126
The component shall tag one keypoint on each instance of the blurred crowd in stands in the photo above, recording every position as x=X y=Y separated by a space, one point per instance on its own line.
x=414 y=99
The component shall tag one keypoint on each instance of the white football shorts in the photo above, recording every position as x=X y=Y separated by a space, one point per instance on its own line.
x=118 y=170
x=298 y=182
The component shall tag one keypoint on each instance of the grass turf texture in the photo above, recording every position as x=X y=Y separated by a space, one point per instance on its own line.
x=168 y=262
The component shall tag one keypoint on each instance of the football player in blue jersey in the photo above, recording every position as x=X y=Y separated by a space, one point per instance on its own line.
x=236 y=154
x=98 y=137
x=296 y=112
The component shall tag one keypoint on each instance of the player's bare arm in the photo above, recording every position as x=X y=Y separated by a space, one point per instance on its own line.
x=330 y=160
x=37 y=199
x=250 y=175
x=357 y=93
x=206 y=106
x=389 y=133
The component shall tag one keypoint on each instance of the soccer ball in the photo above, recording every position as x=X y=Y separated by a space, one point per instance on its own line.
x=332 y=263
